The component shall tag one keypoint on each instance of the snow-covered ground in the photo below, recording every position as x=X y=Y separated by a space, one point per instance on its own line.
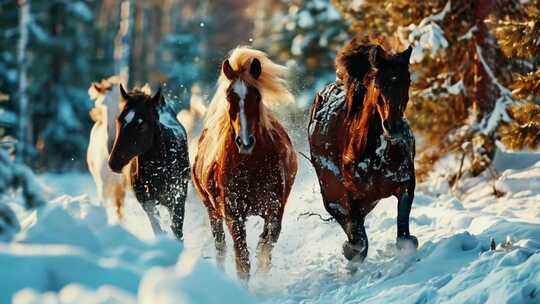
x=68 y=252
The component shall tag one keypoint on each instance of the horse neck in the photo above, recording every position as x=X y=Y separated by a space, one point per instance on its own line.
x=155 y=153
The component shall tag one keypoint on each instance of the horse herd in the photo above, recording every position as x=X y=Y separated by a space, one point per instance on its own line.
x=361 y=147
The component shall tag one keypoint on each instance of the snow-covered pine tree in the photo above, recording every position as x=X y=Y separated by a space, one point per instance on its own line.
x=518 y=33
x=459 y=92
x=24 y=131
x=59 y=77
x=9 y=13
x=306 y=35
x=182 y=50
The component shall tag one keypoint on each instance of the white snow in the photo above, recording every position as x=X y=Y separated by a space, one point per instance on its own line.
x=67 y=252
x=426 y=37
x=328 y=165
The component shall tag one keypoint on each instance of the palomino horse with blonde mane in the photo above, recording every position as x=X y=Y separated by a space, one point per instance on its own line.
x=361 y=145
x=110 y=186
x=245 y=164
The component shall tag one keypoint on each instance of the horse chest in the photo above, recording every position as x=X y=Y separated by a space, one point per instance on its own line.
x=251 y=182
x=390 y=163
x=159 y=179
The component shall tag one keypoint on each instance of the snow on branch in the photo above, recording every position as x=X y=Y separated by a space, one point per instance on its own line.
x=490 y=122
x=427 y=36
x=490 y=73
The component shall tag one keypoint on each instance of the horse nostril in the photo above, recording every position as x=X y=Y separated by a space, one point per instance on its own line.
x=251 y=141
x=238 y=141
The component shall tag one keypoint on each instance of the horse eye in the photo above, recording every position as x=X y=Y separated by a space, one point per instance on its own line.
x=140 y=121
x=394 y=78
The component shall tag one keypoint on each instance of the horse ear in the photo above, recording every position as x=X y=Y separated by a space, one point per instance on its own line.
x=405 y=56
x=156 y=100
x=255 y=69
x=123 y=93
x=97 y=87
x=376 y=56
x=228 y=70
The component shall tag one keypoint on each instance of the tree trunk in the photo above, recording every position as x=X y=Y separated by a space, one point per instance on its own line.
x=122 y=44
x=484 y=89
x=24 y=127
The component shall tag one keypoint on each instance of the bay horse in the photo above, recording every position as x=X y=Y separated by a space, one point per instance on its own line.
x=149 y=136
x=245 y=163
x=110 y=186
x=361 y=146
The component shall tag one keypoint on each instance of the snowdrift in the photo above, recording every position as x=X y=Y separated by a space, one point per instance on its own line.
x=70 y=254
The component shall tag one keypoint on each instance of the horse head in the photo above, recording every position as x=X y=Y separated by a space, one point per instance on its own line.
x=106 y=95
x=244 y=105
x=391 y=79
x=135 y=127
x=375 y=79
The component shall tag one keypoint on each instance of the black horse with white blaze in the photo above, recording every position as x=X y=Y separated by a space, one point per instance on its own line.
x=149 y=137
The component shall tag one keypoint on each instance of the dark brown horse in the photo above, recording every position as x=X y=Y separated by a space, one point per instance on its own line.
x=149 y=136
x=245 y=164
x=361 y=145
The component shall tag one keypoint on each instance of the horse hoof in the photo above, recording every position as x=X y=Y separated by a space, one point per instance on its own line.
x=356 y=252
x=405 y=242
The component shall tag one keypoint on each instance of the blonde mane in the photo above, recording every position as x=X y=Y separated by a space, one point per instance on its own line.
x=104 y=86
x=272 y=86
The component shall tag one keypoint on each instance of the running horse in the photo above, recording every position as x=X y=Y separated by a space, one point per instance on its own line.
x=361 y=146
x=150 y=138
x=245 y=164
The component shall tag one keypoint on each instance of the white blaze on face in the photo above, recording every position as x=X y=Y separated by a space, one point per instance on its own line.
x=129 y=117
x=240 y=89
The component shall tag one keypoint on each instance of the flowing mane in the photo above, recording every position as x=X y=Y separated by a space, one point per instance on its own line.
x=354 y=67
x=98 y=91
x=361 y=125
x=271 y=84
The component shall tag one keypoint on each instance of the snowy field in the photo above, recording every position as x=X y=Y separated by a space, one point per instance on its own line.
x=72 y=252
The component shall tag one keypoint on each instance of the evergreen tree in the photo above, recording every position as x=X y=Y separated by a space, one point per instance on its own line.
x=60 y=65
x=517 y=32
x=305 y=34
x=182 y=50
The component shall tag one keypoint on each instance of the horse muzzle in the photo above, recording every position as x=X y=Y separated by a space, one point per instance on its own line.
x=245 y=147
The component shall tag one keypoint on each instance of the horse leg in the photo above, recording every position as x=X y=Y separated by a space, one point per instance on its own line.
x=216 y=224
x=177 y=210
x=404 y=237
x=119 y=196
x=100 y=193
x=267 y=240
x=153 y=215
x=356 y=247
x=237 y=228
